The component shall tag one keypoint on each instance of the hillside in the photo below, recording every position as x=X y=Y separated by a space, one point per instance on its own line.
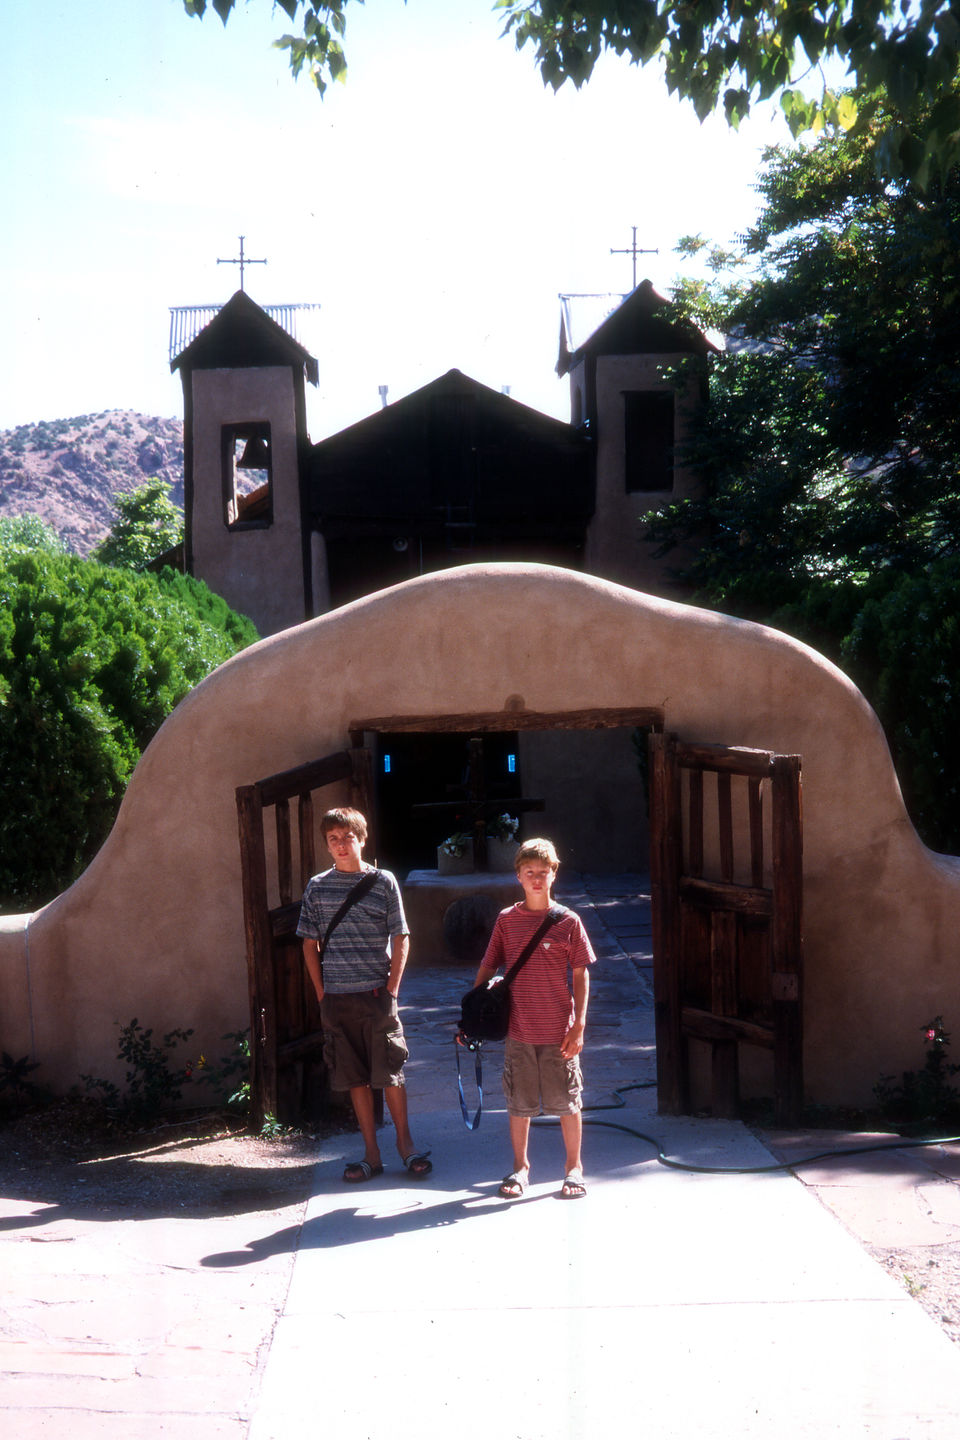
x=67 y=471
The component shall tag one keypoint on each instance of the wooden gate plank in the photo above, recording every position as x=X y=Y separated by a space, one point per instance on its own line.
x=306 y=839
x=695 y=827
x=755 y=810
x=723 y=1002
x=259 y=941
x=665 y=865
x=725 y=817
x=284 y=852
x=786 y=940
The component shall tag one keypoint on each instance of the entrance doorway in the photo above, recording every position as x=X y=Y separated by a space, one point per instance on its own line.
x=278 y=852
x=726 y=871
x=414 y=768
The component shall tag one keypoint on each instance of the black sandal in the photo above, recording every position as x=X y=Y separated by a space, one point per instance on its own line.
x=362 y=1172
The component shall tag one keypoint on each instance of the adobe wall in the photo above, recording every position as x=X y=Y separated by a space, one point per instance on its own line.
x=153 y=928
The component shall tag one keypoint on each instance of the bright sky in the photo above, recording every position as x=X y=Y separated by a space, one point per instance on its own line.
x=434 y=205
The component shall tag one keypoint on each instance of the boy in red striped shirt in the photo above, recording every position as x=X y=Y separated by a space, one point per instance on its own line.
x=541 y=1063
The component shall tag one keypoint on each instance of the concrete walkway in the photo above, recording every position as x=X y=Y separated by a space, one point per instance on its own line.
x=671 y=1303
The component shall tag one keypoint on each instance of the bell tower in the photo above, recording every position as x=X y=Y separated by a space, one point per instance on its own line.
x=245 y=441
x=636 y=417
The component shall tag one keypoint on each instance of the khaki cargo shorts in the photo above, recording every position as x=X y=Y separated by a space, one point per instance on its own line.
x=363 y=1041
x=538 y=1077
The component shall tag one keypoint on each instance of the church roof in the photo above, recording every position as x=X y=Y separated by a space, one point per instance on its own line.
x=242 y=334
x=453 y=445
x=638 y=326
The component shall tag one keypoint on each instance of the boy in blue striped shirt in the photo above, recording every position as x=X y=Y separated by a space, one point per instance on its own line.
x=357 y=977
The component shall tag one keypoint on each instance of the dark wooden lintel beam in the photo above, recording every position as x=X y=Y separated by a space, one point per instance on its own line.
x=493 y=720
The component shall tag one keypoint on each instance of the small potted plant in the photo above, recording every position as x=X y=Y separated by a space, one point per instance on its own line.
x=502 y=843
x=455 y=855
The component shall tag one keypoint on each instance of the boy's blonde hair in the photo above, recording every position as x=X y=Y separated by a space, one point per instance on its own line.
x=346 y=818
x=538 y=850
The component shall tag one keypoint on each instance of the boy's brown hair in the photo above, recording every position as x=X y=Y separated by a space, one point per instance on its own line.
x=344 y=818
x=538 y=850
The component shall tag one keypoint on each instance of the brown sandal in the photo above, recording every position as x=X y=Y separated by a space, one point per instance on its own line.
x=513 y=1186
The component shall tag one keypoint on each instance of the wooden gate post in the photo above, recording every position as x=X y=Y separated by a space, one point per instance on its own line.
x=786 y=966
x=259 y=938
x=665 y=865
x=362 y=796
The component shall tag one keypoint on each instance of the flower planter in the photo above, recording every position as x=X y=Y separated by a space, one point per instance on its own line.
x=501 y=856
x=455 y=864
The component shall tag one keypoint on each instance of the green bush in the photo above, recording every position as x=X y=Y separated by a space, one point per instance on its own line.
x=924 y=1096
x=154 y=1080
x=92 y=660
x=904 y=651
x=154 y=1083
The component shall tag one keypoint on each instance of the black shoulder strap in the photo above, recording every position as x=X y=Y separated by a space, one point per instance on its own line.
x=356 y=893
x=555 y=913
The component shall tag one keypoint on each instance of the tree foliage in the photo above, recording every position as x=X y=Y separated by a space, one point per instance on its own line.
x=830 y=443
x=904 y=649
x=833 y=431
x=734 y=54
x=148 y=525
x=318 y=47
x=30 y=532
x=92 y=660
x=728 y=55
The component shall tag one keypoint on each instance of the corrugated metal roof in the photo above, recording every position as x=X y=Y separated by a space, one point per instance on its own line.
x=186 y=321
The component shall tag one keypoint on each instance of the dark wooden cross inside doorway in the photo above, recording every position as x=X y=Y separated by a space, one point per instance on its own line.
x=476 y=803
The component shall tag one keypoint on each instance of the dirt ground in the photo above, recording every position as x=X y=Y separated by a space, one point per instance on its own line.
x=207 y=1164
x=67 y=1155
x=931 y=1274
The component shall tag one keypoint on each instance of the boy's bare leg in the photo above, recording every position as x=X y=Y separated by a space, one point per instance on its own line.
x=571 y=1128
x=396 y=1098
x=519 y=1137
x=361 y=1098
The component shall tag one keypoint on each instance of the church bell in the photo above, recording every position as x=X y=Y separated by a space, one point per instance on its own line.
x=256 y=454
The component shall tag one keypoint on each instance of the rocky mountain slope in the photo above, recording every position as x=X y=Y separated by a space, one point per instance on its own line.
x=67 y=471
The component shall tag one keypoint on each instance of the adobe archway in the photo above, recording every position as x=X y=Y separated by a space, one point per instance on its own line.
x=154 y=926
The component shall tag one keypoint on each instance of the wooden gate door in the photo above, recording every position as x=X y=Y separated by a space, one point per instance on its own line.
x=726 y=886
x=286 y=1065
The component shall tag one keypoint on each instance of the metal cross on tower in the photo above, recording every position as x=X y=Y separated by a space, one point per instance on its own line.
x=634 y=251
x=243 y=260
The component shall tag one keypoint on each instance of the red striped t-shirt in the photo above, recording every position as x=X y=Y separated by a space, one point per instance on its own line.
x=542 y=1002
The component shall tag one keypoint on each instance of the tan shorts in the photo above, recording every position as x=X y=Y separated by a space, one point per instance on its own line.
x=537 y=1078
x=363 y=1042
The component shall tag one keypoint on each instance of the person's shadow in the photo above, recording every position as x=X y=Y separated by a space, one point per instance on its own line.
x=353 y=1225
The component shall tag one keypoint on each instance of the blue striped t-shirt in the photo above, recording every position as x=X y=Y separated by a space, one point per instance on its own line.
x=357 y=957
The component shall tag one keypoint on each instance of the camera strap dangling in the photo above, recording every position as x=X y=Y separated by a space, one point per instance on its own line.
x=477 y=1047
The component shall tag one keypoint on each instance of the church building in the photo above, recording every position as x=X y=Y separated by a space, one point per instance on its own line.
x=455 y=472
x=285 y=529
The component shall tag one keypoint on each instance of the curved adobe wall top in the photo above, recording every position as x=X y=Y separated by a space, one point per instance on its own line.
x=154 y=927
